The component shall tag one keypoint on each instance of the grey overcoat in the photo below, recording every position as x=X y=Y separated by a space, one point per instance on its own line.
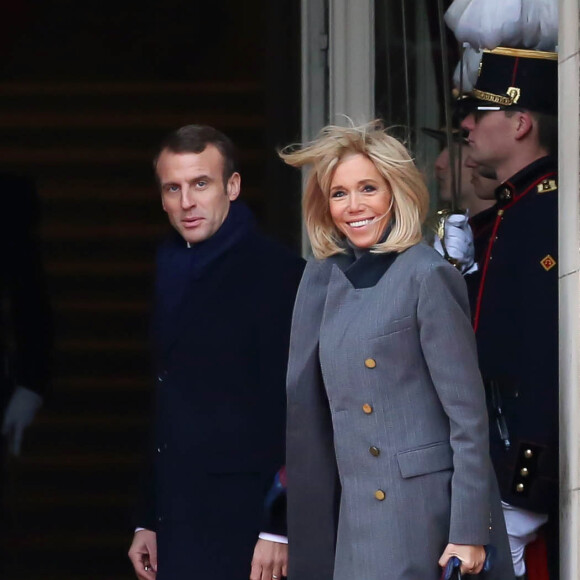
x=387 y=440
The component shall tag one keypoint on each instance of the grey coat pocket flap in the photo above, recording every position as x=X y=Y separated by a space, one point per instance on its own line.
x=428 y=459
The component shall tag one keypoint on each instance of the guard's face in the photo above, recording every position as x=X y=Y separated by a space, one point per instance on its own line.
x=193 y=192
x=491 y=137
x=360 y=200
x=483 y=186
x=444 y=175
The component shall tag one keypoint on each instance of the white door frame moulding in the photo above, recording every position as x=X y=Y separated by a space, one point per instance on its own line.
x=351 y=61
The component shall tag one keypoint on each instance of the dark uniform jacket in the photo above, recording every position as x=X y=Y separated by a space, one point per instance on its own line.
x=515 y=301
x=221 y=332
x=481 y=226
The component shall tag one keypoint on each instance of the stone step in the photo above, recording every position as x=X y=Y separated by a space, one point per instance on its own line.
x=122 y=280
x=99 y=477
x=66 y=307
x=80 y=462
x=99 y=325
x=28 y=93
x=102 y=359
x=130 y=191
x=101 y=119
x=100 y=268
x=119 y=231
x=43 y=156
x=78 y=554
x=130 y=382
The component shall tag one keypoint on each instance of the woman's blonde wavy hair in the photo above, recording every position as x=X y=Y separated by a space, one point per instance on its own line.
x=393 y=162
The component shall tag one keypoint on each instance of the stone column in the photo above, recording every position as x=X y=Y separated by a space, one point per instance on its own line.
x=569 y=271
x=351 y=61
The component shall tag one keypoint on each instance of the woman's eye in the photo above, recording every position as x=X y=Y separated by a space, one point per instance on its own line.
x=369 y=188
x=337 y=194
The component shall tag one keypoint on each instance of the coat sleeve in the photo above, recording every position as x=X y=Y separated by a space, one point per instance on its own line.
x=31 y=314
x=313 y=484
x=449 y=349
x=273 y=344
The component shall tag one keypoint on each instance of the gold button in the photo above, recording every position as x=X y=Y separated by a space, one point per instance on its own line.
x=500 y=212
x=520 y=487
x=375 y=451
x=524 y=472
x=380 y=495
x=528 y=454
x=370 y=363
x=367 y=409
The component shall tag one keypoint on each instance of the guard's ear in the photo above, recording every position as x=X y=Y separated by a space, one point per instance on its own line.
x=233 y=186
x=524 y=122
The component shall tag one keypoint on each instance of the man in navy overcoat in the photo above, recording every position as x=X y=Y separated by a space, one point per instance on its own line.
x=223 y=305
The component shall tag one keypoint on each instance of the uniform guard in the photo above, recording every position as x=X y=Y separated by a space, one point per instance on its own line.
x=511 y=117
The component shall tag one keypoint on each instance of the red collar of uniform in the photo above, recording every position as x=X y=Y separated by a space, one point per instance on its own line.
x=524 y=181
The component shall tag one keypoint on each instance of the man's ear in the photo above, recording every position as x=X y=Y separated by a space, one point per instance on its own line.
x=233 y=186
x=524 y=123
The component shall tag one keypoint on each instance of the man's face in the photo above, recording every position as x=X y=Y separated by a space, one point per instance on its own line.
x=444 y=176
x=490 y=137
x=482 y=179
x=193 y=192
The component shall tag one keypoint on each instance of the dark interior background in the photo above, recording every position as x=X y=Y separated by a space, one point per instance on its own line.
x=87 y=90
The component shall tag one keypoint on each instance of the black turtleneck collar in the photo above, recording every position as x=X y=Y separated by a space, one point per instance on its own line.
x=362 y=267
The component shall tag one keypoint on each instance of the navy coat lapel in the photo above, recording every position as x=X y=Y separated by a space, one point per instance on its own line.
x=173 y=278
x=179 y=266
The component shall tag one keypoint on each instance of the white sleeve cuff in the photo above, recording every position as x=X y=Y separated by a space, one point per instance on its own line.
x=273 y=538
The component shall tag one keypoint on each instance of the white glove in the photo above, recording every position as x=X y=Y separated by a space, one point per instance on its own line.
x=458 y=242
x=20 y=412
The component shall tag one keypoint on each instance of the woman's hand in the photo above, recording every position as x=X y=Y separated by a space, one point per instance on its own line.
x=472 y=557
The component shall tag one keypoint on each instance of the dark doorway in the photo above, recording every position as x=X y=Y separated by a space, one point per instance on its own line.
x=87 y=90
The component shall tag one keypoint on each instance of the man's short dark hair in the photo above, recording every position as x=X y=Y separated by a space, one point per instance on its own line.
x=548 y=132
x=194 y=139
x=547 y=128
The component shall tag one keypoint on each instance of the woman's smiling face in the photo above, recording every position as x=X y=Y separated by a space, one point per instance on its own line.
x=360 y=200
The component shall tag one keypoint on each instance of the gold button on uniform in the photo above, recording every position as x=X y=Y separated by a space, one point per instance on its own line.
x=528 y=454
x=520 y=487
x=524 y=472
x=380 y=495
x=370 y=363
x=367 y=409
x=375 y=451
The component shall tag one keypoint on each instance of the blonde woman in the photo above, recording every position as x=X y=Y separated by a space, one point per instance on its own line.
x=387 y=443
